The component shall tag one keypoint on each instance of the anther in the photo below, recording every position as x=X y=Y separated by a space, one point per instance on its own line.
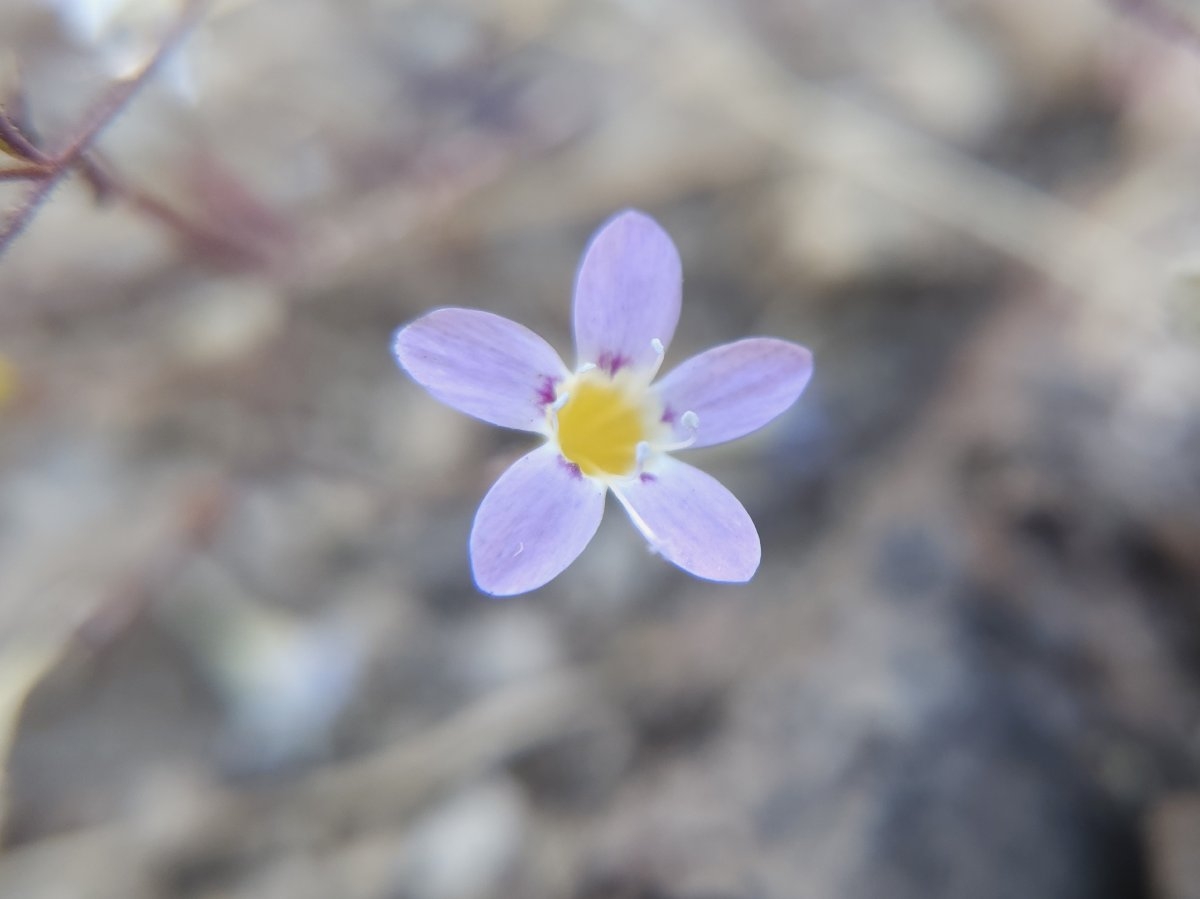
x=689 y=420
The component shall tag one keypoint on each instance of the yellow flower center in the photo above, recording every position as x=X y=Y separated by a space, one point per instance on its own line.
x=603 y=420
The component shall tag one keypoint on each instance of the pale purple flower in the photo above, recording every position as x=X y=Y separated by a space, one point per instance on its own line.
x=607 y=425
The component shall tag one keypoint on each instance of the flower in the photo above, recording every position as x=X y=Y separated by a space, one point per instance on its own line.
x=607 y=425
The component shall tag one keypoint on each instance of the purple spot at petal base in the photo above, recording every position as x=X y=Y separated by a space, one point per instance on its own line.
x=668 y=416
x=647 y=478
x=546 y=392
x=571 y=467
x=612 y=362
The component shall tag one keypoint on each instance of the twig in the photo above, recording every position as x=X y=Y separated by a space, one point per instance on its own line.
x=25 y=172
x=819 y=126
x=208 y=236
x=12 y=135
x=102 y=115
x=389 y=785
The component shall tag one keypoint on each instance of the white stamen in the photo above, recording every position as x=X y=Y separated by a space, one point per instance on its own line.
x=660 y=352
x=552 y=412
x=643 y=450
x=689 y=420
x=585 y=368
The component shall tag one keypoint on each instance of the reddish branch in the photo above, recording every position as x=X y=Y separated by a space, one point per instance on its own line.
x=47 y=170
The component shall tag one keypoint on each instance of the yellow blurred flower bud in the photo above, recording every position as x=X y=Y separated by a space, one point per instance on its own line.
x=8 y=381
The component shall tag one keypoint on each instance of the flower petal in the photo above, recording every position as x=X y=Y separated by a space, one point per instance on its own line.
x=482 y=364
x=534 y=522
x=627 y=293
x=735 y=388
x=692 y=520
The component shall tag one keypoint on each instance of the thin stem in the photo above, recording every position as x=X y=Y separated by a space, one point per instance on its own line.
x=25 y=172
x=102 y=115
x=208 y=239
x=15 y=139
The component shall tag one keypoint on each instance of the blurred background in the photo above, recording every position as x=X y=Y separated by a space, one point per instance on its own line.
x=241 y=654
